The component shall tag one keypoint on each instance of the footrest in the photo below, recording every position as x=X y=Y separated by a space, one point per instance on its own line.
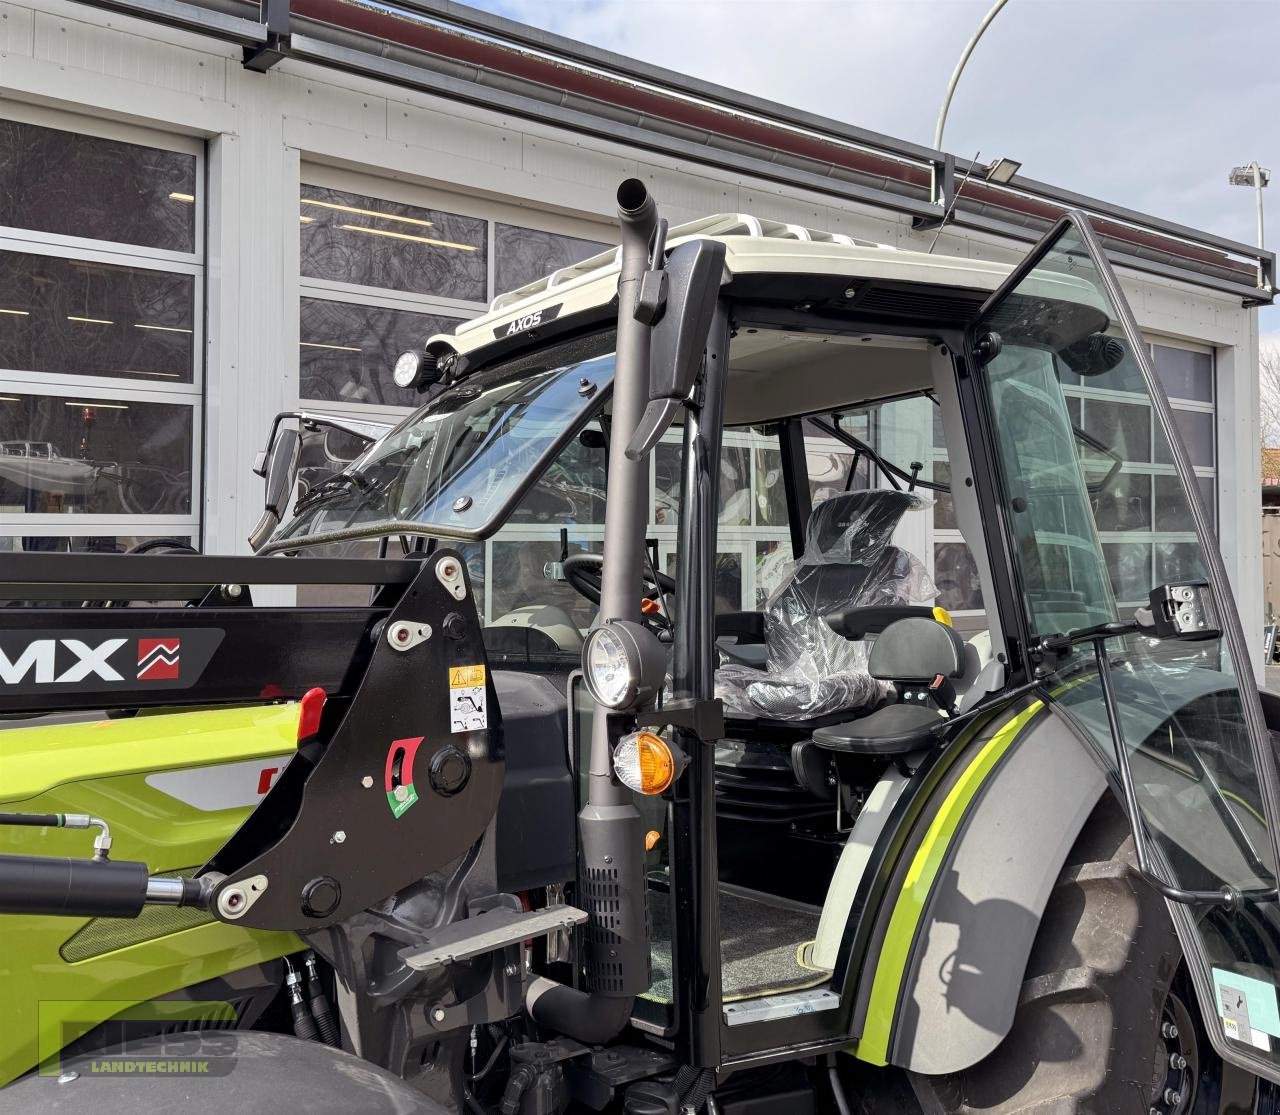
x=488 y=932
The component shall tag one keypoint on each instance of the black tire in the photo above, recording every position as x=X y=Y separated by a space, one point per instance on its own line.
x=1104 y=983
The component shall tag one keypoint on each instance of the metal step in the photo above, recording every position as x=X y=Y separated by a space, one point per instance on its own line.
x=488 y=932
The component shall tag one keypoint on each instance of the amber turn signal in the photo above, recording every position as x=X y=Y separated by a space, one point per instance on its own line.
x=644 y=763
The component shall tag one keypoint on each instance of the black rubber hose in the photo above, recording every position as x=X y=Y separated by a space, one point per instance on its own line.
x=590 y=1019
x=697 y=1095
x=519 y=1083
x=321 y=1011
x=304 y=1026
x=32 y=820
x=493 y=1059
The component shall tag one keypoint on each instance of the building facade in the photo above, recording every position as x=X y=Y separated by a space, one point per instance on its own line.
x=189 y=245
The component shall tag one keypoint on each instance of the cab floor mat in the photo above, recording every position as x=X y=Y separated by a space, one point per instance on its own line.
x=760 y=944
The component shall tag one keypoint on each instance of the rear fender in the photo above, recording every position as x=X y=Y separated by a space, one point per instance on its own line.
x=946 y=981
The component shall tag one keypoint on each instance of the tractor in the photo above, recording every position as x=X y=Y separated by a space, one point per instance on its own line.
x=933 y=799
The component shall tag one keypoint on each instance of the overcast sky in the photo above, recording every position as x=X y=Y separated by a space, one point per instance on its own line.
x=1146 y=103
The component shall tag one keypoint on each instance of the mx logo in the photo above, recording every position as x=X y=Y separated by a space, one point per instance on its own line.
x=158 y=659
x=95 y=661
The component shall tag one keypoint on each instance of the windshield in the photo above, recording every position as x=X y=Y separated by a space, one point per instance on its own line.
x=455 y=467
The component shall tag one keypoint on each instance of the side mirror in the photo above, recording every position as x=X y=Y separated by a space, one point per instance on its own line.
x=1094 y=355
x=279 y=467
x=694 y=271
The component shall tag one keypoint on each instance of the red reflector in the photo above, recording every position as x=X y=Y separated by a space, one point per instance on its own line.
x=309 y=710
x=937 y=681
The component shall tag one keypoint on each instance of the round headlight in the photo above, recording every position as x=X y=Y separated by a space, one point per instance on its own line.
x=610 y=673
x=623 y=664
x=408 y=364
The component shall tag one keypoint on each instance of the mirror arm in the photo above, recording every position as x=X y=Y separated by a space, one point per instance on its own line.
x=657 y=418
x=263 y=530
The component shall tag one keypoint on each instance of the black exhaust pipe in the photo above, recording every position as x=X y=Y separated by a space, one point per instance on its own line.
x=611 y=880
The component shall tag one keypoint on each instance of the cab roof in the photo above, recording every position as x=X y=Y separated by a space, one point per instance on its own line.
x=753 y=247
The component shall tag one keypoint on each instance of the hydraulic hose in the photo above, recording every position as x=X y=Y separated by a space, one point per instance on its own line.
x=321 y=1011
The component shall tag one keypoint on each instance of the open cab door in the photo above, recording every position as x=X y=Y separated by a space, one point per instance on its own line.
x=1124 y=611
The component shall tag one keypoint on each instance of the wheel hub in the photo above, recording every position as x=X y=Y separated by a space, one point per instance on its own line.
x=1177 y=1064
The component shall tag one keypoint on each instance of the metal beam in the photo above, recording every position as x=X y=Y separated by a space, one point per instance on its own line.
x=189 y=17
x=274 y=16
x=183 y=571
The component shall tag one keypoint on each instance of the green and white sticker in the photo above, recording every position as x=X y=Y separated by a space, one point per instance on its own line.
x=1248 y=1008
x=398 y=779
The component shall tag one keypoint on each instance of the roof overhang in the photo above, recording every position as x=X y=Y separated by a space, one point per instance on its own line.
x=462 y=54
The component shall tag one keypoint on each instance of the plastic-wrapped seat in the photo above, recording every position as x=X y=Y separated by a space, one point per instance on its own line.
x=849 y=561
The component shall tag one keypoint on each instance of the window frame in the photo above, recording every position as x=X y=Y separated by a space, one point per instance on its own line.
x=115 y=388
x=322 y=175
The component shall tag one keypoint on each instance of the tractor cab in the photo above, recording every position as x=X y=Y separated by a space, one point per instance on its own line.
x=803 y=572
x=872 y=497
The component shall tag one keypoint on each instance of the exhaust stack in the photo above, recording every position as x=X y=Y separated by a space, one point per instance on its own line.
x=611 y=880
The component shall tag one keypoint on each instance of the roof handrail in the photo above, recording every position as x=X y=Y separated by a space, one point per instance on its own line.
x=718 y=224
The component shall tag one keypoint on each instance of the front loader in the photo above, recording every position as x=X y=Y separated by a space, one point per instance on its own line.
x=594 y=836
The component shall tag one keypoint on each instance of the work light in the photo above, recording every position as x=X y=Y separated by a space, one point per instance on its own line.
x=408 y=364
x=623 y=664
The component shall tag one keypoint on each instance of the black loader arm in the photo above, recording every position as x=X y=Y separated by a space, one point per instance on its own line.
x=406 y=781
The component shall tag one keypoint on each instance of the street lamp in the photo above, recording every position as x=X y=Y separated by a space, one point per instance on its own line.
x=1259 y=178
x=951 y=88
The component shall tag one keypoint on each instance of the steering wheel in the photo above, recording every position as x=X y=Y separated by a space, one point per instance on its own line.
x=583 y=572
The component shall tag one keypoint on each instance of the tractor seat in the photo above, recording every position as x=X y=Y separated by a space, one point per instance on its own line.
x=806 y=669
x=896 y=729
x=921 y=657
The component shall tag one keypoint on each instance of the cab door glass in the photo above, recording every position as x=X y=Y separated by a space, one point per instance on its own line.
x=1083 y=456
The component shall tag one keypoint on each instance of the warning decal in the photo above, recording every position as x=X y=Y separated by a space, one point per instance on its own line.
x=1248 y=1008
x=468 y=699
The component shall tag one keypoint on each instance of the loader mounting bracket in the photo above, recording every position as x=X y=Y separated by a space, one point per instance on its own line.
x=404 y=782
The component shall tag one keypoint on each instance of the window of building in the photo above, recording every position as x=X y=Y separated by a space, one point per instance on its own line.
x=101 y=317
x=379 y=274
x=1141 y=515
x=382 y=268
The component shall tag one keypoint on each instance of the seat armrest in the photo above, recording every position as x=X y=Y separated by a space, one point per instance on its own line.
x=856 y=623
